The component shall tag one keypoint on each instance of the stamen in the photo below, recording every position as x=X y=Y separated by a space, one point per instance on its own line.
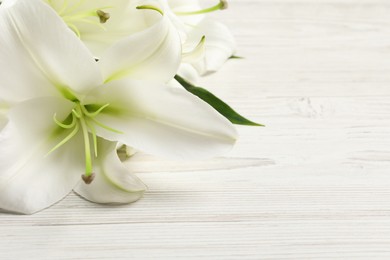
x=71 y=125
x=63 y=8
x=150 y=7
x=76 y=113
x=74 y=29
x=94 y=114
x=82 y=118
x=103 y=16
x=93 y=131
x=106 y=127
x=67 y=93
x=66 y=139
x=98 y=24
x=73 y=14
x=222 y=5
x=75 y=6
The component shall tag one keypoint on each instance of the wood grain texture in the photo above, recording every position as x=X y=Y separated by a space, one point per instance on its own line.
x=313 y=184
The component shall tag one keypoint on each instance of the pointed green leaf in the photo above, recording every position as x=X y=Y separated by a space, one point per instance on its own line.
x=223 y=108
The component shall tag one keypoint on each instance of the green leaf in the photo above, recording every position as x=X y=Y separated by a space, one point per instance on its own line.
x=223 y=108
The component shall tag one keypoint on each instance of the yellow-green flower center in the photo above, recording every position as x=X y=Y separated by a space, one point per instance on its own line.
x=81 y=118
x=76 y=15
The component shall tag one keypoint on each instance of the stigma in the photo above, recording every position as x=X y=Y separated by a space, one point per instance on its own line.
x=88 y=179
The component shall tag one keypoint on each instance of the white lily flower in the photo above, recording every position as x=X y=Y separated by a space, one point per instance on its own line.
x=100 y=23
x=211 y=42
x=67 y=112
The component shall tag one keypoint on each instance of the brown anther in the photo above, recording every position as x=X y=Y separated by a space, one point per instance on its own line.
x=88 y=179
x=103 y=16
x=224 y=4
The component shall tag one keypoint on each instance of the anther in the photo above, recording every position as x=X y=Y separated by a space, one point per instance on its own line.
x=224 y=4
x=88 y=179
x=103 y=16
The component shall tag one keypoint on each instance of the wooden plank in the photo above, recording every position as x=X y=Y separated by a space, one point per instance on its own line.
x=313 y=49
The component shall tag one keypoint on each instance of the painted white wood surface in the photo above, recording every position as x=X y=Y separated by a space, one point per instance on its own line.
x=313 y=184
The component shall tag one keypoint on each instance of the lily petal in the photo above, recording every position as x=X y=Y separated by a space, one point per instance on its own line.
x=194 y=53
x=113 y=183
x=162 y=120
x=3 y=114
x=153 y=54
x=184 y=5
x=188 y=72
x=123 y=20
x=178 y=6
x=220 y=45
x=53 y=57
x=31 y=179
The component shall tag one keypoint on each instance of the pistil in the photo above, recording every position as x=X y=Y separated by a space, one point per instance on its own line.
x=87 y=145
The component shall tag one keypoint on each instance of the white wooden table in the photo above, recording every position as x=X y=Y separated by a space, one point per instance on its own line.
x=313 y=184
